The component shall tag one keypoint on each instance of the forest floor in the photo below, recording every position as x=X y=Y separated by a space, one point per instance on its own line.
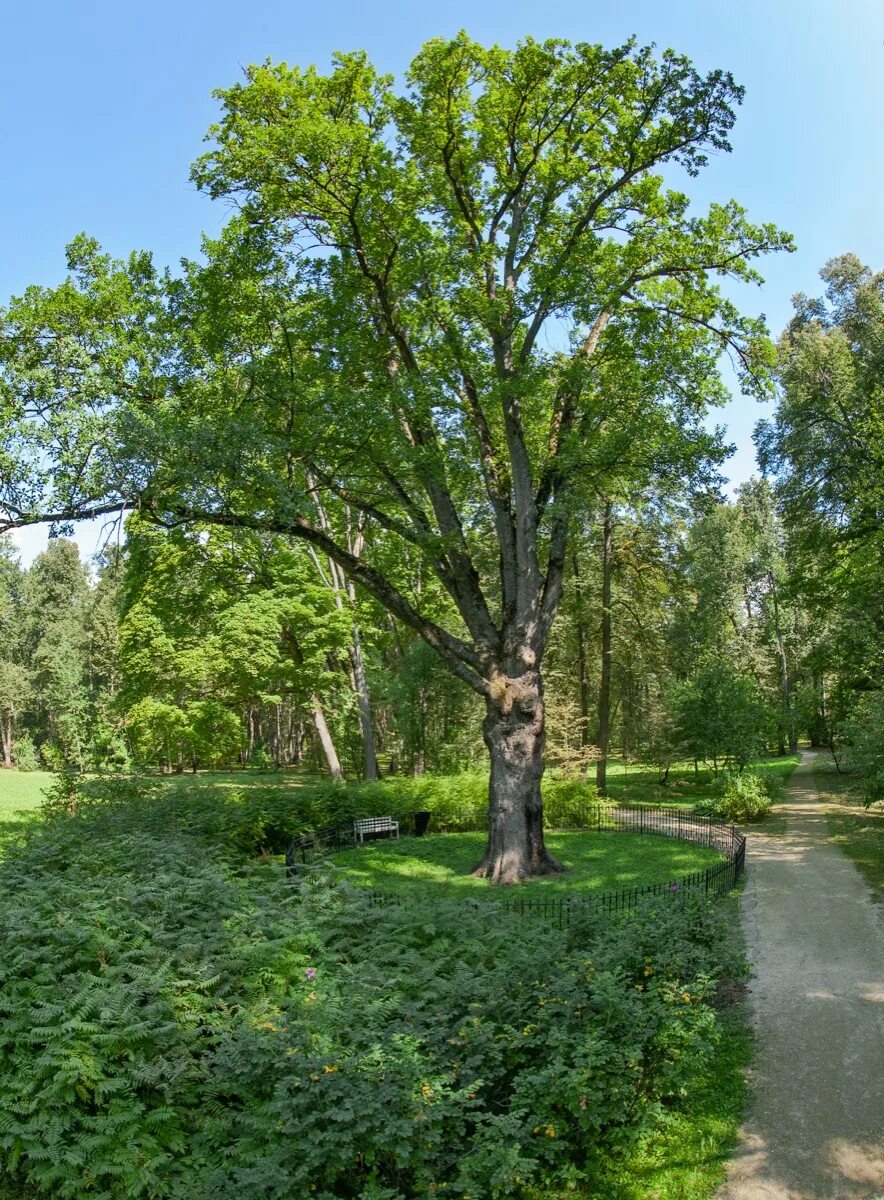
x=815 y=1129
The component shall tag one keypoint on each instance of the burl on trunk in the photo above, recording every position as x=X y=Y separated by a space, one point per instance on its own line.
x=514 y=734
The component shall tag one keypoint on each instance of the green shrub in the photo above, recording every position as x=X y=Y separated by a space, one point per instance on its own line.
x=243 y=821
x=177 y=1023
x=24 y=754
x=570 y=803
x=740 y=797
x=863 y=736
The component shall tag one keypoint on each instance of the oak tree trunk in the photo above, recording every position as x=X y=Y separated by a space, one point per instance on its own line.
x=513 y=730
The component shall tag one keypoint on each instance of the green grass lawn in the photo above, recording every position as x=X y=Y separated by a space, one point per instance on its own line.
x=246 y=779
x=638 y=783
x=857 y=830
x=21 y=793
x=596 y=862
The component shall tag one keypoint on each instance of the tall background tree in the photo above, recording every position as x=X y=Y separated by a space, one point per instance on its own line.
x=374 y=330
x=823 y=448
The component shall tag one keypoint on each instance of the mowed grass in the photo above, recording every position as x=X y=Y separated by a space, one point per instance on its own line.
x=21 y=793
x=596 y=862
x=639 y=783
x=859 y=831
x=247 y=779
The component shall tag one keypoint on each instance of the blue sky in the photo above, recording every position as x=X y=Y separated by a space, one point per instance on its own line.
x=106 y=104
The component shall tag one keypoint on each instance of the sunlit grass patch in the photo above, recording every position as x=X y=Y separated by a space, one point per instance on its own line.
x=859 y=831
x=640 y=783
x=21 y=793
x=596 y=862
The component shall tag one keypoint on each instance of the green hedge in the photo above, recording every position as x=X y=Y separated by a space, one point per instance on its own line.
x=247 y=820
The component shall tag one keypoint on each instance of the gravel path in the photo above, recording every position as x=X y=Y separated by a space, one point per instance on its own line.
x=816 y=939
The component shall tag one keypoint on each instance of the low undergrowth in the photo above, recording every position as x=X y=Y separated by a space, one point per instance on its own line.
x=685 y=786
x=249 y=817
x=596 y=863
x=858 y=829
x=176 y=1022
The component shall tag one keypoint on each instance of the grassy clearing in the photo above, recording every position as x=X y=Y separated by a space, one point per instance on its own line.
x=21 y=793
x=638 y=783
x=247 y=779
x=857 y=830
x=597 y=862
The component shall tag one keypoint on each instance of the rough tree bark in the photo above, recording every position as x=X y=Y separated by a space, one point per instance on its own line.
x=514 y=733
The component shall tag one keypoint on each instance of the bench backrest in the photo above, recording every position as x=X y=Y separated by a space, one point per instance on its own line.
x=372 y=824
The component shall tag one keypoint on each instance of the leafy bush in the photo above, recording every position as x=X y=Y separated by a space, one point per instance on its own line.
x=62 y=797
x=568 y=803
x=24 y=754
x=242 y=821
x=740 y=796
x=177 y=1023
x=863 y=737
x=718 y=716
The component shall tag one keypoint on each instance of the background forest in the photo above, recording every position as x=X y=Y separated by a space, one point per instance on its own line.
x=692 y=628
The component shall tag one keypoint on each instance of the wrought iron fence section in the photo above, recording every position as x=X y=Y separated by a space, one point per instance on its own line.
x=682 y=825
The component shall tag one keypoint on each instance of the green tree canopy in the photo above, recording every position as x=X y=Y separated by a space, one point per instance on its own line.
x=442 y=306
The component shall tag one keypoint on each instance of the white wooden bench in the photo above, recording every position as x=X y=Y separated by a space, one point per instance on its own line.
x=373 y=825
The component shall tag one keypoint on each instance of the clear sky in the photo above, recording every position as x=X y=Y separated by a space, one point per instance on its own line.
x=105 y=104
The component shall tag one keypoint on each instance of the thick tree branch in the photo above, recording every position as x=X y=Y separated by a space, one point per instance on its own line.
x=460 y=657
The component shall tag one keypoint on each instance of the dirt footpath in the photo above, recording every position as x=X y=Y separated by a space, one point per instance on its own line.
x=816 y=940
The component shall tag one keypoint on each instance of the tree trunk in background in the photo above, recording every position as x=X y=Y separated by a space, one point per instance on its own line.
x=360 y=687
x=344 y=593
x=604 y=709
x=296 y=733
x=278 y=743
x=582 y=668
x=325 y=739
x=6 y=740
x=784 y=667
x=251 y=734
x=513 y=730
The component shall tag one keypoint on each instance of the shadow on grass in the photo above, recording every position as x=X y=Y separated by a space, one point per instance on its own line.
x=596 y=862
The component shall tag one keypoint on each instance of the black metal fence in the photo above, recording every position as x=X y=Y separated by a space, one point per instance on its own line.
x=639 y=820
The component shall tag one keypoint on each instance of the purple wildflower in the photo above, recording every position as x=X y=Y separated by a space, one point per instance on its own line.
x=673 y=887
x=311 y=974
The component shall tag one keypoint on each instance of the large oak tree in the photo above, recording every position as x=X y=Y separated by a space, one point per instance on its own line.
x=455 y=307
